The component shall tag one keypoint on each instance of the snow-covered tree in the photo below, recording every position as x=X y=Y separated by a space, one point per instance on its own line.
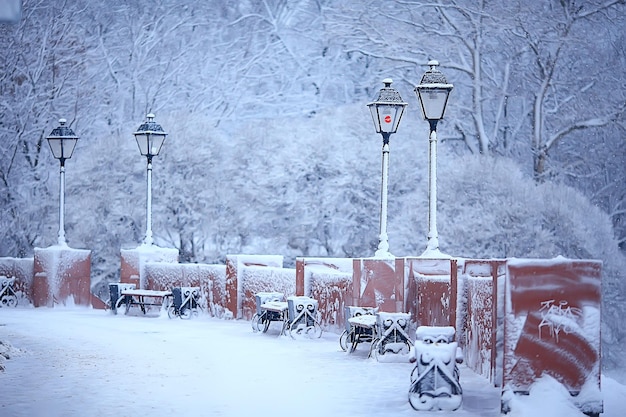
x=567 y=89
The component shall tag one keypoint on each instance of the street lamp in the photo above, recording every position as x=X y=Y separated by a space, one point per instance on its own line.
x=62 y=141
x=433 y=92
x=386 y=112
x=150 y=137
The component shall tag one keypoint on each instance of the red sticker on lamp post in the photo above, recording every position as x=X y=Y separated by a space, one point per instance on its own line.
x=387 y=119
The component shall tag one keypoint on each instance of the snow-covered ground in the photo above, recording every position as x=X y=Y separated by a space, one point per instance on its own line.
x=82 y=362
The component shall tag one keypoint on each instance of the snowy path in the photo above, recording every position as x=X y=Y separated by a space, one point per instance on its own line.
x=80 y=362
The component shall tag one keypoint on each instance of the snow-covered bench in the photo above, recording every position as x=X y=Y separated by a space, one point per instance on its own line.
x=8 y=298
x=435 y=379
x=304 y=316
x=143 y=298
x=270 y=307
x=115 y=293
x=185 y=302
x=360 y=327
x=298 y=314
x=392 y=333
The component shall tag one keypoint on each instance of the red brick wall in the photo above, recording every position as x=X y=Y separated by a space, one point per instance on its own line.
x=329 y=281
x=237 y=297
x=211 y=279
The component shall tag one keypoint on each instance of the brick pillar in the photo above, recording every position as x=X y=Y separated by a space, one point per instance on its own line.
x=432 y=287
x=61 y=275
x=300 y=264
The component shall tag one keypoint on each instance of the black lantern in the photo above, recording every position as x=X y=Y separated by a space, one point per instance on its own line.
x=62 y=141
x=150 y=137
x=433 y=92
x=388 y=108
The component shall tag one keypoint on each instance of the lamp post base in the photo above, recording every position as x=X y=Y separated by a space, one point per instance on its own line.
x=383 y=254
x=434 y=254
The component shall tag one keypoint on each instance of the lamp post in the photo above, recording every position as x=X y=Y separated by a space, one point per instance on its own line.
x=386 y=112
x=150 y=137
x=62 y=141
x=433 y=92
